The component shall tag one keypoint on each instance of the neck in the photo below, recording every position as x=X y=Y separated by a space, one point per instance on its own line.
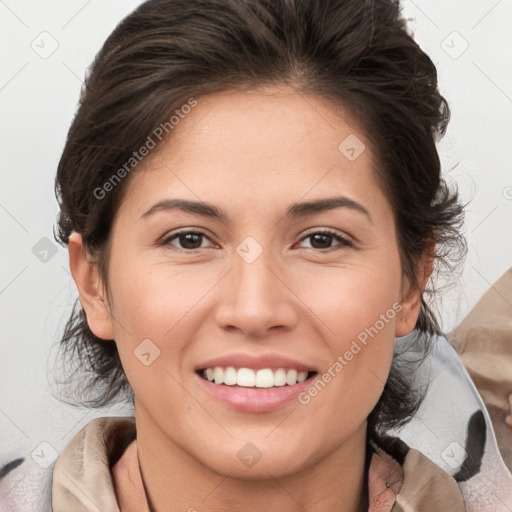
x=175 y=480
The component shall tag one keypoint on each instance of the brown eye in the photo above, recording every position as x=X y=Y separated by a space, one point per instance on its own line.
x=324 y=240
x=189 y=240
x=321 y=240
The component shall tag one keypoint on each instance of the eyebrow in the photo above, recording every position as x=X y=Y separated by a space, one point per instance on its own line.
x=296 y=210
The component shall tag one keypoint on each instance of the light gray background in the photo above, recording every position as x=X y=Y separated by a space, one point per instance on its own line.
x=38 y=98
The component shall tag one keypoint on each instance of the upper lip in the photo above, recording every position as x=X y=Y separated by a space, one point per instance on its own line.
x=240 y=360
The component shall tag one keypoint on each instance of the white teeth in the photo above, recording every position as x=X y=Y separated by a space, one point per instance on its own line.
x=302 y=376
x=230 y=376
x=218 y=375
x=246 y=377
x=264 y=378
x=279 y=377
x=291 y=377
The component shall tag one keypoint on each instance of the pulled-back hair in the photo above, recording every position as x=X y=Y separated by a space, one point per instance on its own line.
x=356 y=53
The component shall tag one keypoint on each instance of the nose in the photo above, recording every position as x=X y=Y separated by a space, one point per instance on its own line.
x=256 y=299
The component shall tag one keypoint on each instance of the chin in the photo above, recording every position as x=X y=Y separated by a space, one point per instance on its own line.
x=263 y=469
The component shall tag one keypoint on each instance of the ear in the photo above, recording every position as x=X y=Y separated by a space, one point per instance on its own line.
x=412 y=296
x=92 y=294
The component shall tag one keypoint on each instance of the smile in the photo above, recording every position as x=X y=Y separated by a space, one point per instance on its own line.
x=249 y=378
x=254 y=391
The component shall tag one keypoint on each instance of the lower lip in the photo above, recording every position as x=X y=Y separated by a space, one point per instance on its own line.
x=255 y=399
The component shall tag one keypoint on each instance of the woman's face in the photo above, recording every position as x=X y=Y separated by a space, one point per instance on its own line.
x=255 y=282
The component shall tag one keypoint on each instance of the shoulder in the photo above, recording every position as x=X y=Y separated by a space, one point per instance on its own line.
x=82 y=478
x=425 y=486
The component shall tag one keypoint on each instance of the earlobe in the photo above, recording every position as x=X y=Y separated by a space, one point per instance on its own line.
x=412 y=296
x=406 y=320
x=92 y=296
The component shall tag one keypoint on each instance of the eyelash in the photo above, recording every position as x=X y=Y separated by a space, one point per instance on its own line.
x=344 y=242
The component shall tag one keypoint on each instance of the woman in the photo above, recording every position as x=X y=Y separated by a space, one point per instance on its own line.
x=252 y=200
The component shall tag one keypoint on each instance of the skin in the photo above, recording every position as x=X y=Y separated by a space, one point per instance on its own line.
x=252 y=154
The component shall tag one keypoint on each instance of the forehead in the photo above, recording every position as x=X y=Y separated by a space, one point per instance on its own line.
x=259 y=148
x=268 y=123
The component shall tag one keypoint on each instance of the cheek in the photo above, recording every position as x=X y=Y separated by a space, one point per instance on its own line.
x=160 y=303
x=151 y=329
x=359 y=311
x=352 y=382
x=351 y=299
x=151 y=300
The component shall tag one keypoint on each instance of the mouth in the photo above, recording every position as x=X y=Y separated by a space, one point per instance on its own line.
x=250 y=390
x=248 y=378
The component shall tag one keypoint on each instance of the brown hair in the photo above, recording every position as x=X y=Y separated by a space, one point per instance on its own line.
x=357 y=53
